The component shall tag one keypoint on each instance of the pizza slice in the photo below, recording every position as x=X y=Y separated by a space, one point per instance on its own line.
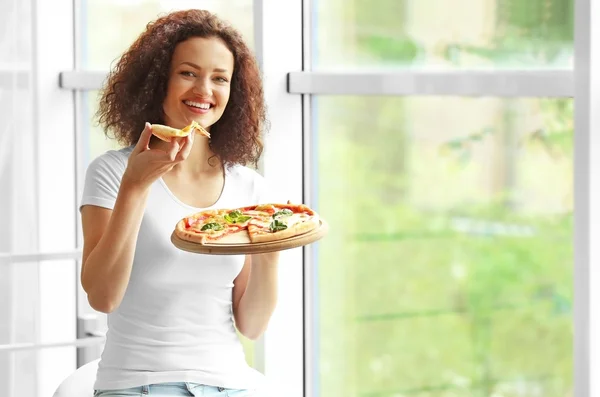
x=166 y=133
x=281 y=221
x=211 y=225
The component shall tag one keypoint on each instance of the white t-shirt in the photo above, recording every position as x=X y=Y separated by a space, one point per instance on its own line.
x=175 y=323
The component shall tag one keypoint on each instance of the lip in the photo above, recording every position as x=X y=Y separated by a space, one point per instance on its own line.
x=199 y=100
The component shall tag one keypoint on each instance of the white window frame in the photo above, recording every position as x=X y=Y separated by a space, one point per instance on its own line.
x=586 y=283
x=278 y=48
x=509 y=83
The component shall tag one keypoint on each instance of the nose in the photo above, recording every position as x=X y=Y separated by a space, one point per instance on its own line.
x=203 y=87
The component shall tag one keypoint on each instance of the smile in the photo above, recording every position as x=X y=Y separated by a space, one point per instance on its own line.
x=198 y=107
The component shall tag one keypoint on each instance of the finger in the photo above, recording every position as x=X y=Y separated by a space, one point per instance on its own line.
x=185 y=148
x=144 y=139
x=173 y=149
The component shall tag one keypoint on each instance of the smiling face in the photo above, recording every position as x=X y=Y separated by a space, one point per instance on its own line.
x=199 y=82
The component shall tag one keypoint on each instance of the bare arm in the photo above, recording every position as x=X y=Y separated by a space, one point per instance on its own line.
x=255 y=294
x=110 y=236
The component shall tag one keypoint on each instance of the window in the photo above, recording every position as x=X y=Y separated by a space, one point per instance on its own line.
x=459 y=280
x=450 y=270
x=497 y=34
x=466 y=124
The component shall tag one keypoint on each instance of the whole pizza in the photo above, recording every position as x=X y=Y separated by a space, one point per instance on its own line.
x=263 y=223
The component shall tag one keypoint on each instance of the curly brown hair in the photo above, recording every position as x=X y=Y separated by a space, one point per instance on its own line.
x=136 y=88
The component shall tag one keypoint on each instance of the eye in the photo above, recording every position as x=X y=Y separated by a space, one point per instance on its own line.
x=221 y=79
x=187 y=73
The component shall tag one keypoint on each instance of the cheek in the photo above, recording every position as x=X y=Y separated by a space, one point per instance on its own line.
x=169 y=103
x=177 y=87
x=170 y=97
x=224 y=97
x=173 y=89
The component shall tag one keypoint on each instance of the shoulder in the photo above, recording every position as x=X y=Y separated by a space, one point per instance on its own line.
x=109 y=167
x=110 y=163
x=103 y=178
x=113 y=158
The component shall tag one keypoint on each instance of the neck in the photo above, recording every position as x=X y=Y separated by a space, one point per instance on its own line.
x=201 y=158
x=200 y=161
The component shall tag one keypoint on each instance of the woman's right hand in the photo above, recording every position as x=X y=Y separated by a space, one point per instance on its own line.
x=146 y=165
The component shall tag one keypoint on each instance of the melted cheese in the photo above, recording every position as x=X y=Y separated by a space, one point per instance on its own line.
x=256 y=213
x=293 y=219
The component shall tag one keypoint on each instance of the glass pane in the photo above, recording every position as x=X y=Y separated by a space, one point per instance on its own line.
x=23 y=380
x=107 y=28
x=19 y=378
x=18 y=205
x=93 y=140
x=448 y=270
x=436 y=34
x=18 y=325
x=27 y=321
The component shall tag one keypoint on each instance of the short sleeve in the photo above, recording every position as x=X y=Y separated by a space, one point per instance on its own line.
x=102 y=180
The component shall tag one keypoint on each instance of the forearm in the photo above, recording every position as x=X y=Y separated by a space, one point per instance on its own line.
x=108 y=266
x=259 y=300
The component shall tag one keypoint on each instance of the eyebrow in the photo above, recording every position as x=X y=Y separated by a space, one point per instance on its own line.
x=219 y=70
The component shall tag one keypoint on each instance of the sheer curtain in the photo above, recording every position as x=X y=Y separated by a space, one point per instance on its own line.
x=18 y=218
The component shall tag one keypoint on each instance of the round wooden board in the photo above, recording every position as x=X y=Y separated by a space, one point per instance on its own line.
x=240 y=243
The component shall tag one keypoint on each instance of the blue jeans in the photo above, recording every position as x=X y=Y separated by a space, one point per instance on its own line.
x=176 y=389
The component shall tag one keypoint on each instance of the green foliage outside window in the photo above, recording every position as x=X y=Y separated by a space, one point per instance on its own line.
x=471 y=297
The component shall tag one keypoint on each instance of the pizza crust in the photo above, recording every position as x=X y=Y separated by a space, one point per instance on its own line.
x=188 y=235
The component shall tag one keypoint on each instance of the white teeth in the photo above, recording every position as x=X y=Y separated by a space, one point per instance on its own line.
x=198 y=104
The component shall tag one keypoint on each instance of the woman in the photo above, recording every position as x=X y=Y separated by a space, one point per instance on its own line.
x=171 y=313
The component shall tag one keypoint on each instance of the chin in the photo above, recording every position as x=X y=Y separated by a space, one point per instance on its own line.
x=207 y=122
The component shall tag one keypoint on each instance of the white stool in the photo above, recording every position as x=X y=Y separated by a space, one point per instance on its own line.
x=80 y=383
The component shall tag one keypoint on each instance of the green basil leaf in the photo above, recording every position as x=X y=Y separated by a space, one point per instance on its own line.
x=239 y=219
x=282 y=213
x=235 y=214
x=277 y=226
x=212 y=226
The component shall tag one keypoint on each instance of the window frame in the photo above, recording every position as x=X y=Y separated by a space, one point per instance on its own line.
x=500 y=83
x=586 y=319
x=280 y=351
